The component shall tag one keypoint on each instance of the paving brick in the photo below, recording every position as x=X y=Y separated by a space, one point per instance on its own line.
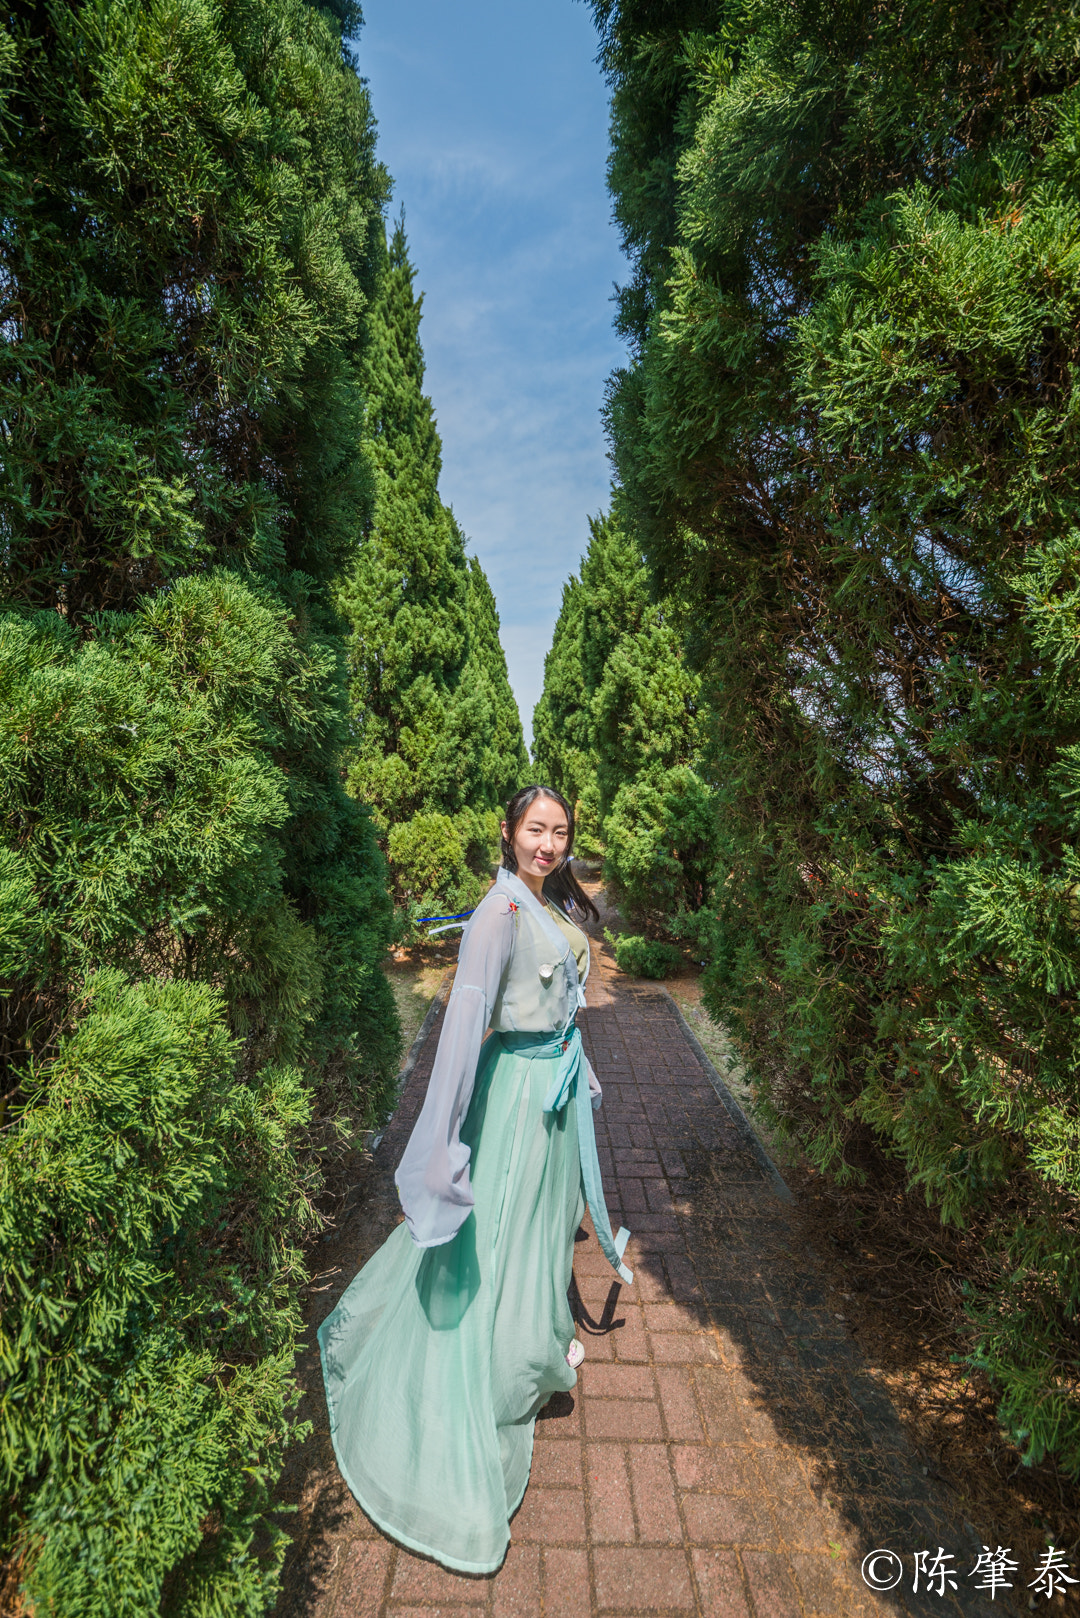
x=362 y=1582
x=637 y=1162
x=733 y=1338
x=757 y=1421
x=728 y=1519
x=611 y=1512
x=650 y=1282
x=654 y=1494
x=308 y=1576
x=679 y=1405
x=589 y=1261
x=440 y=1610
x=599 y=1346
x=667 y=1316
x=652 y=1224
x=597 y=1291
x=683 y=1348
x=629 y=1195
x=516 y=1588
x=566 y=1582
x=823 y=1583
x=420 y=1581
x=618 y=1382
x=718 y=1469
x=641 y=1135
x=646 y=1241
x=683 y=1283
x=622 y=1418
x=638 y=1577
x=720 y=1582
x=720 y=1407
x=556 y=1465
x=631 y=1342
x=771 y=1584
x=551 y=1517
x=658 y=1197
x=560 y=1417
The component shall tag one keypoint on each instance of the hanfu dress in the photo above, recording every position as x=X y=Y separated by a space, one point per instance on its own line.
x=455 y=1333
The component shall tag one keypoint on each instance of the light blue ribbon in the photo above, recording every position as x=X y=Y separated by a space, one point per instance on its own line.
x=572 y=1078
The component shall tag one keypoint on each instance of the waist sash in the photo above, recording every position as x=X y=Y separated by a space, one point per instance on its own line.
x=571 y=1079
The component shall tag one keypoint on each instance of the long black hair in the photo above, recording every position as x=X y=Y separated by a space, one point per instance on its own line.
x=561 y=886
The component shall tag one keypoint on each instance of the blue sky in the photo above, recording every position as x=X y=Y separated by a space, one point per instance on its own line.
x=493 y=122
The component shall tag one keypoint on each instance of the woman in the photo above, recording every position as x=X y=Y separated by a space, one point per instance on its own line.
x=458 y=1330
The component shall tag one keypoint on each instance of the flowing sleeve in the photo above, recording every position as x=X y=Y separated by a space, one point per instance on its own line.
x=433 y=1175
x=596 y=1095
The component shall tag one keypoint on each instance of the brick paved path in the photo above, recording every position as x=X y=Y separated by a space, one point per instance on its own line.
x=725 y=1452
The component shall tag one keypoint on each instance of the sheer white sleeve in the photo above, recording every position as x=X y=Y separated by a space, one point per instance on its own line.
x=596 y=1095
x=433 y=1175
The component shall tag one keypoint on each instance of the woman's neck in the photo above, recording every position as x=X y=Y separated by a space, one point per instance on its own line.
x=534 y=882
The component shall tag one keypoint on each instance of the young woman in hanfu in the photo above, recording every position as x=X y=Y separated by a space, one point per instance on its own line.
x=458 y=1330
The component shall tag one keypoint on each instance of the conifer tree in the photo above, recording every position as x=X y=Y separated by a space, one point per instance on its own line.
x=192 y=910
x=847 y=440
x=617 y=727
x=438 y=739
x=504 y=761
x=562 y=747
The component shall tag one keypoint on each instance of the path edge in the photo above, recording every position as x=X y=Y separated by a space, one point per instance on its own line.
x=414 y=1053
x=738 y=1117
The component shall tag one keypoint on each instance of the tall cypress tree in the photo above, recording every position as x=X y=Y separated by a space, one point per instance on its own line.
x=437 y=734
x=848 y=440
x=504 y=761
x=562 y=747
x=617 y=729
x=192 y=910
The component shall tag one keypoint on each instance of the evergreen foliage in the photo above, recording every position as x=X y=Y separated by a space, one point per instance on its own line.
x=193 y=909
x=616 y=731
x=437 y=733
x=562 y=746
x=847 y=438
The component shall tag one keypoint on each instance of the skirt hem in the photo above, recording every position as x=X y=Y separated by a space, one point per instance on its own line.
x=455 y=1563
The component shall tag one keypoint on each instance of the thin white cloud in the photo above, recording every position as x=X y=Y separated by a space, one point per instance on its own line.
x=493 y=122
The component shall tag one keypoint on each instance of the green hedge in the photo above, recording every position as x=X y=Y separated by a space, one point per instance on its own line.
x=848 y=443
x=150 y=1213
x=192 y=910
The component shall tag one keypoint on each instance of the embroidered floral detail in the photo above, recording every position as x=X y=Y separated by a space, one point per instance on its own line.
x=513 y=907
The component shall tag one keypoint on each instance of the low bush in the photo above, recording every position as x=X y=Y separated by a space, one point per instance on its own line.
x=151 y=1210
x=431 y=875
x=644 y=957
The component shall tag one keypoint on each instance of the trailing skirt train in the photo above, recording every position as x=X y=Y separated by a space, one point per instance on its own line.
x=437 y=1360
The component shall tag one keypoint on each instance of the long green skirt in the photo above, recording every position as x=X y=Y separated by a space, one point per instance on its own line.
x=436 y=1361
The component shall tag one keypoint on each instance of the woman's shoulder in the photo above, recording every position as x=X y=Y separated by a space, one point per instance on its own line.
x=497 y=909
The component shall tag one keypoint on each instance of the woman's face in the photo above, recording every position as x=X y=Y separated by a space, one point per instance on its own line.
x=539 y=844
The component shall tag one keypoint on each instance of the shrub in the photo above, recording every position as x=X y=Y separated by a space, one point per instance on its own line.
x=151 y=1207
x=644 y=957
x=193 y=911
x=847 y=443
x=662 y=844
x=430 y=872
